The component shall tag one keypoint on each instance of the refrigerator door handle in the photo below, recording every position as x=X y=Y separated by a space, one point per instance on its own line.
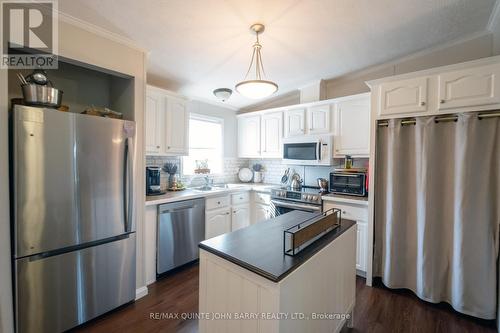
x=127 y=188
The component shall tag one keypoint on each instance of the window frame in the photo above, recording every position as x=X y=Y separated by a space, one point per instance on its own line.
x=206 y=118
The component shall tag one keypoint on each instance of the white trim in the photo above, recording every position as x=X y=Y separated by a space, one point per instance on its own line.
x=101 y=32
x=494 y=17
x=166 y=91
x=141 y=292
x=204 y=117
x=214 y=103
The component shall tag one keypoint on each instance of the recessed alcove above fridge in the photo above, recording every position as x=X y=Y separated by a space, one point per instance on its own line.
x=84 y=86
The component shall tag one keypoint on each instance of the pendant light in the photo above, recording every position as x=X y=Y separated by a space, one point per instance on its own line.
x=256 y=88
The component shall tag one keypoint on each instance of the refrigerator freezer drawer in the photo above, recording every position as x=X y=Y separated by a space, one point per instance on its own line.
x=56 y=293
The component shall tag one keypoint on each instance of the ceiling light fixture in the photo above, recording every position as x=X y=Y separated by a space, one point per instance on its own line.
x=223 y=93
x=256 y=88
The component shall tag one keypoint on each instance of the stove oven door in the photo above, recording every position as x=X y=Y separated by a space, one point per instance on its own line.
x=282 y=207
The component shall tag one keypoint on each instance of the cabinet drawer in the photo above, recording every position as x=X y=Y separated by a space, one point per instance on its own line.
x=217 y=202
x=262 y=198
x=240 y=198
x=350 y=212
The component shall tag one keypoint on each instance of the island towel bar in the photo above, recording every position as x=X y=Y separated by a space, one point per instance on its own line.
x=299 y=236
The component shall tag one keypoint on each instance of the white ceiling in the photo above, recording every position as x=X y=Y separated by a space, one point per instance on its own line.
x=199 y=45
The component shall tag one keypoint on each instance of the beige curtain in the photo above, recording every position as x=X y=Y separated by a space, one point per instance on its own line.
x=437 y=210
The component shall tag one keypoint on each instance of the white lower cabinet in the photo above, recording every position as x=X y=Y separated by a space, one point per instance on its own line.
x=261 y=213
x=240 y=217
x=359 y=214
x=217 y=222
x=361 y=245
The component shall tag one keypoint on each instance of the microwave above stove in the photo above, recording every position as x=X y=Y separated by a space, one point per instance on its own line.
x=348 y=183
x=308 y=150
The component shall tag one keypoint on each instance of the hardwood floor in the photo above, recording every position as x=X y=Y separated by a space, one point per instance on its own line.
x=377 y=309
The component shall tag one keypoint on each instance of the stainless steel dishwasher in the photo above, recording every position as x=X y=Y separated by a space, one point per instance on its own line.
x=181 y=226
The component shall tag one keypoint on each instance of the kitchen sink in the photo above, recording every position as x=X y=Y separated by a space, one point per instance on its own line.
x=208 y=188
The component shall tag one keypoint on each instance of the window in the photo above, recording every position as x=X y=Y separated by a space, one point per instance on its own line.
x=205 y=143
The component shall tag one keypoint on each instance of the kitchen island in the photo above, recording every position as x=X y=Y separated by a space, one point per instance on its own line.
x=247 y=283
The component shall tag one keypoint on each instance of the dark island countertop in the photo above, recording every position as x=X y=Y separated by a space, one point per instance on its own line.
x=259 y=247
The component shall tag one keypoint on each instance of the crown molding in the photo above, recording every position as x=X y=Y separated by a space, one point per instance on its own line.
x=214 y=103
x=101 y=32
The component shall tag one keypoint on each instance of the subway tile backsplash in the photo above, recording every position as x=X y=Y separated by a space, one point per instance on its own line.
x=230 y=174
x=273 y=170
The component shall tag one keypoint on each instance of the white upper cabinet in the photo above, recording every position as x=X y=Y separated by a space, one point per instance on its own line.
x=177 y=127
x=166 y=123
x=469 y=87
x=353 y=127
x=272 y=134
x=466 y=87
x=295 y=122
x=153 y=115
x=318 y=119
x=249 y=136
x=407 y=96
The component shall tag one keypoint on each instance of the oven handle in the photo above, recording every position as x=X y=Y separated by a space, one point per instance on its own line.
x=296 y=206
x=344 y=175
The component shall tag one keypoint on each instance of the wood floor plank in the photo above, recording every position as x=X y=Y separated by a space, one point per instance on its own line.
x=377 y=309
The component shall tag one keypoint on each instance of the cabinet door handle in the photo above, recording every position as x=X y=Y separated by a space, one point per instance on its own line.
x=422 y=103
x=442 y=101
x=158 y=147
x=218 y=202
x=227 y=213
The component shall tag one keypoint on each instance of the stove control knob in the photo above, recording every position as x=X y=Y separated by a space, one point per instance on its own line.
x=307 y=197
x=314 y=198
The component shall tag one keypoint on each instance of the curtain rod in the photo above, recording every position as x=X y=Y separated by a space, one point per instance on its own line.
x=413 y=121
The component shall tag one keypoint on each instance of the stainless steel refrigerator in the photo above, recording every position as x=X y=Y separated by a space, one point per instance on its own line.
x=72 y=220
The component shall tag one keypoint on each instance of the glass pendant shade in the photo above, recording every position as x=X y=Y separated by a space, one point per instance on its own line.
x=257 y=87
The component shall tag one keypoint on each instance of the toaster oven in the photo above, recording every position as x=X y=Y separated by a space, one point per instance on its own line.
x=349 y=183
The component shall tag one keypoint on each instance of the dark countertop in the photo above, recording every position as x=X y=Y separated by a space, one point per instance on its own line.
x=259 y=247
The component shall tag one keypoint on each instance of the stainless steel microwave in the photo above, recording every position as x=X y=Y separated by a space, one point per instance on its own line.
x=308 y=150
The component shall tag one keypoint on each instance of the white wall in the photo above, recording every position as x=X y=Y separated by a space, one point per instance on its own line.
x=6 y=311
x=230 y=123
x=465 y=50
x=86 y=45
x=290 y=98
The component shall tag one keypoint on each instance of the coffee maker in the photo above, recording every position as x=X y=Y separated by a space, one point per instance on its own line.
x=153 y=181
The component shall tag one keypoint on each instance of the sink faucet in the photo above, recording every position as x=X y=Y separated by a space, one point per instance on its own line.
x=207 y=180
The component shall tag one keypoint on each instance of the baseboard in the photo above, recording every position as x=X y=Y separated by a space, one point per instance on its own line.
x=141 y=292
x=361 y=273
